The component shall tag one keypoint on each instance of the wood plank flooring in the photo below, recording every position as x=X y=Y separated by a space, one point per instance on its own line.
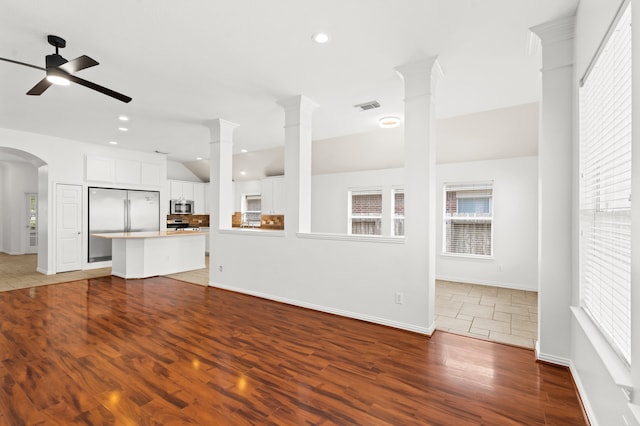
x=163 y=352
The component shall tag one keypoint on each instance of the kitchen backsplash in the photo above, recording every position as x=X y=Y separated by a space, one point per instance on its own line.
x=195 y=220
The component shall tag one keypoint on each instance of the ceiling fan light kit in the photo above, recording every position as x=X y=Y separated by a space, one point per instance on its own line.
x=59 y=71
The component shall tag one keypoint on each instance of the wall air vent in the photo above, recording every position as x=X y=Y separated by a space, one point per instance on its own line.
x=368 y=105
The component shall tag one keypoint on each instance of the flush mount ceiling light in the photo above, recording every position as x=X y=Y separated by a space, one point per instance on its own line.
x=123 y=129
x=242 y=172
x=198 y=158
x=113 y=142
x=389 y=122
x=244 y=151
x=123 y=118
x=321 y=38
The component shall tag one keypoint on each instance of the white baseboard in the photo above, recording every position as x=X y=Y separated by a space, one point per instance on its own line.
x=591 y=416
x=551 y=359
x=44 y=271
x=485 y=282
x=428 y=331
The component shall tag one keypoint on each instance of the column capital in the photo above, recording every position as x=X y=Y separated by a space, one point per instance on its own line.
x=420 y=76
x=555 y=31
x=556 y=38
x=220 y=130
x=297 y=109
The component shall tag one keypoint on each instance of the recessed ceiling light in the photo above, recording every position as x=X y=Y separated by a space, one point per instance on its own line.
x=123 y=129
x=242 y=172
x=123 y=118
x=243 y=150
x=113 y=142
x=321 y=38
x=198 y=158
x=389 y=122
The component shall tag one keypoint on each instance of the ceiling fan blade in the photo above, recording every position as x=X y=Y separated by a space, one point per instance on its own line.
x=79 y=63
x=22 y=63
x=39 y=88
x=101 y=89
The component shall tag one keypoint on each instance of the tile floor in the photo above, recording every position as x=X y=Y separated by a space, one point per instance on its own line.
x=490 y=313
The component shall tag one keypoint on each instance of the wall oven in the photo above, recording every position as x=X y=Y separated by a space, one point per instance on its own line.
x=181 y=207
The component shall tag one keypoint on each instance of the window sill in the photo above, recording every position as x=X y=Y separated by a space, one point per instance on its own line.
x=617 y=369
x=347 y=237
x=253 y=231
x=467 y=257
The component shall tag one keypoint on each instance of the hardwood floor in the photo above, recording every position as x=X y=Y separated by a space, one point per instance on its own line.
x=162 y=352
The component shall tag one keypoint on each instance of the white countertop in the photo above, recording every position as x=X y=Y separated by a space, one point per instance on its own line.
x=152 y=234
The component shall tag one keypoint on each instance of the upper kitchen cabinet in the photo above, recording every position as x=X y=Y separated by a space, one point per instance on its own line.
x=121 y=171
x=195 y=191
x=199 y=204
x=273 y=195
x=181 y=190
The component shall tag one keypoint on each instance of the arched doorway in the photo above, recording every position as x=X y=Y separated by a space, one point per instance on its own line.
x=23 y=175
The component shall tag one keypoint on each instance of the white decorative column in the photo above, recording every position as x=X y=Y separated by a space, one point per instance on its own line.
x=298 y=112
x=555 y=191
x=221 y=168
x=420 y=169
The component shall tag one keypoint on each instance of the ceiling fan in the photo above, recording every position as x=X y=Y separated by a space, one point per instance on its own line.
x=60 y=71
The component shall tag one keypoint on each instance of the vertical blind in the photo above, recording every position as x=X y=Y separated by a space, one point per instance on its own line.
x=605 y=187
x=468 y=219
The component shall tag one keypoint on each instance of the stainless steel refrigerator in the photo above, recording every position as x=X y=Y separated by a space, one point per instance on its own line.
x=119 y=210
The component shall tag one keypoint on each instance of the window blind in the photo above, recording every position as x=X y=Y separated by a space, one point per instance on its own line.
x=366 y=212
x=468 y=219
x=605 y=187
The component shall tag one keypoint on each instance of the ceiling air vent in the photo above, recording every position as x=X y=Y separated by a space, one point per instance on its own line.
x=368 y=105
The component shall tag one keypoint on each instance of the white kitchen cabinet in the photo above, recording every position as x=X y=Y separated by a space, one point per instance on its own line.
x=207 y=198
x=100 y=169
x=122 y=171
x=273 y=195
x=181 y=190
x=198 y=198
x=128 y=171
x=195 y=191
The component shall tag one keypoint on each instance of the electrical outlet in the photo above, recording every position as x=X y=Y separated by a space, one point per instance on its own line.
x=220 y=268
x=399 y=298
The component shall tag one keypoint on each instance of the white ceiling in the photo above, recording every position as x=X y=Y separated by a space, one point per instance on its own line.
x=186 y=62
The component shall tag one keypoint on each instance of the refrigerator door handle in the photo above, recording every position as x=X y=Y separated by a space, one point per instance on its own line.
x=126 y=216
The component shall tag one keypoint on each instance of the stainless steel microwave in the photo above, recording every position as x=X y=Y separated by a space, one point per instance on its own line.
x=181 y=207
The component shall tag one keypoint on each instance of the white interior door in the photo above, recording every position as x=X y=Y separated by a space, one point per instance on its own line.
x=69 y=227
x=31 y=223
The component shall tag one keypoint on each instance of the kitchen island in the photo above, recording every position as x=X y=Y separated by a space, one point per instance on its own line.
x=147 y=254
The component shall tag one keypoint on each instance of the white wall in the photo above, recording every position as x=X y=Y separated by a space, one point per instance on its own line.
x=329 y=196
x=65 y=163
x=515 y=223
x=18 y=179
x=3 y=183
x=514 y=263
x=178 y=171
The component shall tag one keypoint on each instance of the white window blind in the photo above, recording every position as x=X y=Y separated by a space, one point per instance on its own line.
x=365 y=212
x=605 y=187
x=398 y=212
x=468 y=219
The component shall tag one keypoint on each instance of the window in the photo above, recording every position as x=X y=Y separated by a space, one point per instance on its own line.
x=605 y=187
x=252 y=206
x=366 y=212
x=398 y=212
x=468 y=219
